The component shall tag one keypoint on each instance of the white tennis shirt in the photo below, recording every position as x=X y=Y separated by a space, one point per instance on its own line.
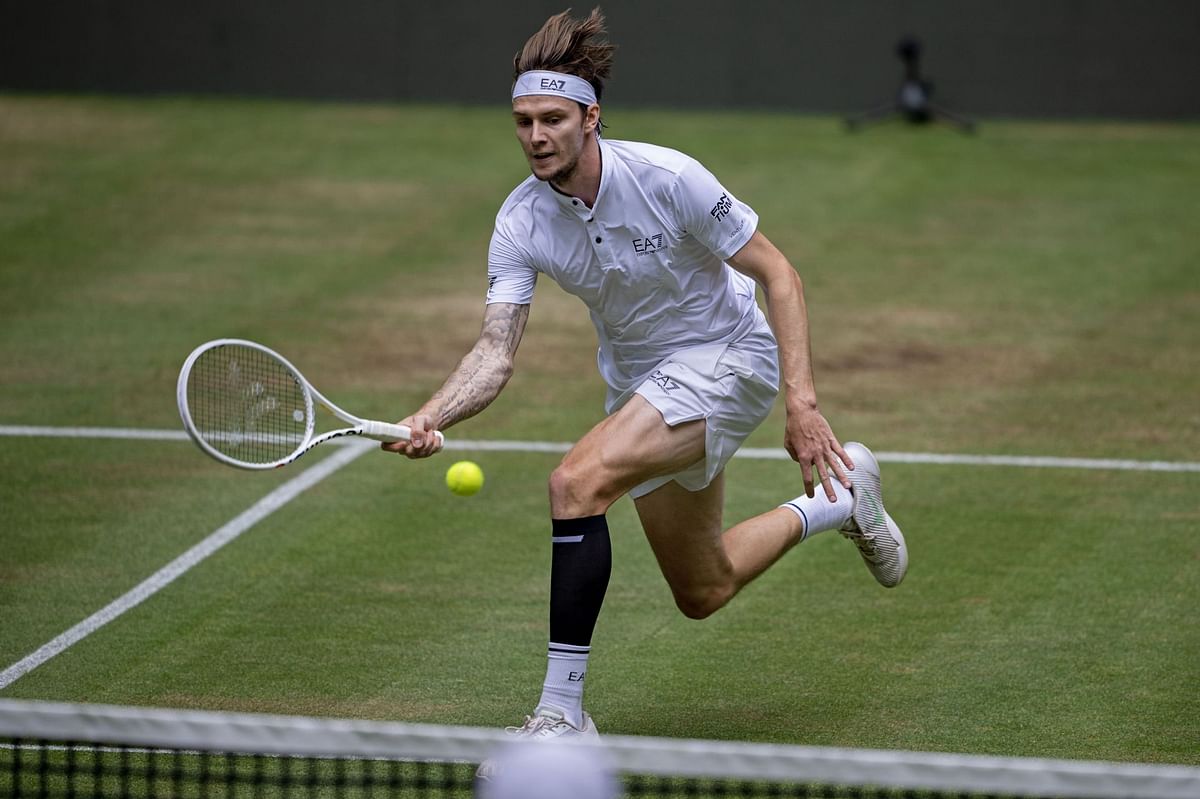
x=648 y=259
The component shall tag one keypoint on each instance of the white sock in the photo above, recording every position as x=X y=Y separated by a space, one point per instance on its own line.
x=566 y=667
x=818 y=513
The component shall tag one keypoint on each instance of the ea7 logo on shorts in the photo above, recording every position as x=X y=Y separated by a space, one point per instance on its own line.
x=722 y=208
x=664 y=382
x=648 y=245
x=554 y=84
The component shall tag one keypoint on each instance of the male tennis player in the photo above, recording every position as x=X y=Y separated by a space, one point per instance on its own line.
x=666 y=259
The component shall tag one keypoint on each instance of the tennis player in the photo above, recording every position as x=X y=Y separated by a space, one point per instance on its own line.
x=666 y=259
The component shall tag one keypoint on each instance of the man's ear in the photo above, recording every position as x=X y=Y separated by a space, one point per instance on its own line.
x=591 y=118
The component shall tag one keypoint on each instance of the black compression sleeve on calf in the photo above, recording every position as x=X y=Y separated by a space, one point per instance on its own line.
x=579 y=571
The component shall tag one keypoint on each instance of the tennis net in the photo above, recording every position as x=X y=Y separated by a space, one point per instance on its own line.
x=69 y=750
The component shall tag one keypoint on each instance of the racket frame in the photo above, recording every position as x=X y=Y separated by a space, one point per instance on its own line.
x=367 y=428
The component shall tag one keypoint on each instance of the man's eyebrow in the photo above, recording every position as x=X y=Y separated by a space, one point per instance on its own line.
x=546 y=113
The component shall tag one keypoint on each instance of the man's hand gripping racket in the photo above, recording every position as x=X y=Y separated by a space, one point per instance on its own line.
x=247 y=406
x=423 y=440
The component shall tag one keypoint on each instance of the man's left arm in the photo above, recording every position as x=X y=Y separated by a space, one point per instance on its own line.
x=808 y=438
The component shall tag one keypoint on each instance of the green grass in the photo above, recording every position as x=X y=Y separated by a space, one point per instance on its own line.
x=1030 y=290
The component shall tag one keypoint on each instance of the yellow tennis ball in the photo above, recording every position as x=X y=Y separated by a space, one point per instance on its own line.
x=464 y=478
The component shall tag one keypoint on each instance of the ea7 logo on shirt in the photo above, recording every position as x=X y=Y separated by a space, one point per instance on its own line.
x=648 y=245
x=554 y=84
x=722 y=208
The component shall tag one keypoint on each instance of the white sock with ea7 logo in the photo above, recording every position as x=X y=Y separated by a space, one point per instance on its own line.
x=818 y=513
x=566 y=667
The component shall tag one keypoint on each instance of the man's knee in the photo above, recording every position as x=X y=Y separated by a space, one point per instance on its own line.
x=578 y=489
x=700 y=602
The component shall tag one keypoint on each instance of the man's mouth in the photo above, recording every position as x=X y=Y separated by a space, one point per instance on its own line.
x=542 y=156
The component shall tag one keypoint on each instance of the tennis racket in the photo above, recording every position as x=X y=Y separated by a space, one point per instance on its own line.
x=247 y=406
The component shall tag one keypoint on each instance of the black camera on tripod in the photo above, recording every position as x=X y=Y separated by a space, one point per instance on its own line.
x=913 y=100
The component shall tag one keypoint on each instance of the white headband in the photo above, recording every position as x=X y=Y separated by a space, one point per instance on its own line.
x=559 y=84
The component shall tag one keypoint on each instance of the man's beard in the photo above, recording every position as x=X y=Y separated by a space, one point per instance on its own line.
x=563 y=175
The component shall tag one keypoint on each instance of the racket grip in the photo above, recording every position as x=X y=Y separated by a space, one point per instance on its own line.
x=383 y=431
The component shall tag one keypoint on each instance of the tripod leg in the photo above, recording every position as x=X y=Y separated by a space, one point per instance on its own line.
x=870 y=116
x=965 y=124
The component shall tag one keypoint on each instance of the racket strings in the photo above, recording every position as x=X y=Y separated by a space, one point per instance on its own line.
x=247 y=404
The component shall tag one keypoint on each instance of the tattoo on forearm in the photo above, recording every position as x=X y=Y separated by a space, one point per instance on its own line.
x=483 y=371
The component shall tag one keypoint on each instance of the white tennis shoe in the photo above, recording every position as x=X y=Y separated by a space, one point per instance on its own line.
x=546 y=724
x=877 y=536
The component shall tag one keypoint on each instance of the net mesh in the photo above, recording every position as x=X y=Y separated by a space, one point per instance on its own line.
x=55 y=750
x=40 y=768
x=247 y=404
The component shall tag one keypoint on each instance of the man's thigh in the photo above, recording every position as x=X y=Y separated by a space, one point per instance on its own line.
x=716 y=384
x=629 y=447
x=684 y=530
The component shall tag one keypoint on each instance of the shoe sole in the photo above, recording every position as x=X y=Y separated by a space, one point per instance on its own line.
x=871 y=517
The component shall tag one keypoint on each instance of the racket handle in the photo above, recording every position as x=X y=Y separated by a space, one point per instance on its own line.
x=383 y=431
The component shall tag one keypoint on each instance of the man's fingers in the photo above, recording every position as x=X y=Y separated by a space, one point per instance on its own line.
x=838 y=472
x=422 y=443
x=826 y=483
x=417 y=435
x=812 y=444
x=423 y=440
x=843 y=458
x=404 y=448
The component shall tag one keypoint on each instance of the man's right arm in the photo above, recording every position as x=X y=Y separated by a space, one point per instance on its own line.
x=474 y=384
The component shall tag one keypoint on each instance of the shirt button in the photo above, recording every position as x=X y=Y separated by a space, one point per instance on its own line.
x=597 y=239
x=574 y=202
x=590 y=221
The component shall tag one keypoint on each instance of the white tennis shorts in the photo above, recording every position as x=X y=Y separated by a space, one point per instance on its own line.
x=731 y=386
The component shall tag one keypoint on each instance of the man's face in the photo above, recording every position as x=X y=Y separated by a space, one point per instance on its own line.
x=552 y=131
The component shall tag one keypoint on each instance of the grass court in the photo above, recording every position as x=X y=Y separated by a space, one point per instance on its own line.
x=1031 y=290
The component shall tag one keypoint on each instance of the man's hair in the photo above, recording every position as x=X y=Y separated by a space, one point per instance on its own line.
x=569 y=45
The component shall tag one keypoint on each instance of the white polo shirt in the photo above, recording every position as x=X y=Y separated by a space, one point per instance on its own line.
x=648 y=259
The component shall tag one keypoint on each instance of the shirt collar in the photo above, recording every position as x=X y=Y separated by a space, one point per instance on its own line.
x=578 y=207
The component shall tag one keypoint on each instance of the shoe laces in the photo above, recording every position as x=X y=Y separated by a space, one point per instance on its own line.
x=864 y=541
x=540 y=725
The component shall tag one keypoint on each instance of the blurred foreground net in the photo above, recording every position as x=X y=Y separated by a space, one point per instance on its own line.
x=61 y=750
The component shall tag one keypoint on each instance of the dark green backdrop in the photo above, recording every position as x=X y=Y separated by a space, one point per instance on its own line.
x=1089 y=58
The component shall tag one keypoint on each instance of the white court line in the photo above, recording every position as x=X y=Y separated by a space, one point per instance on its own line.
x=352 y=449
x=167 y=574
x=1025 y=461
x=29 y=431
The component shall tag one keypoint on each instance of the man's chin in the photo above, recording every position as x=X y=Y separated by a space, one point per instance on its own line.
x=546 y=172
x=542 y=170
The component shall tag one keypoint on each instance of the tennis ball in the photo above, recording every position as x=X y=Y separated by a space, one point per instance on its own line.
x=464 y=478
